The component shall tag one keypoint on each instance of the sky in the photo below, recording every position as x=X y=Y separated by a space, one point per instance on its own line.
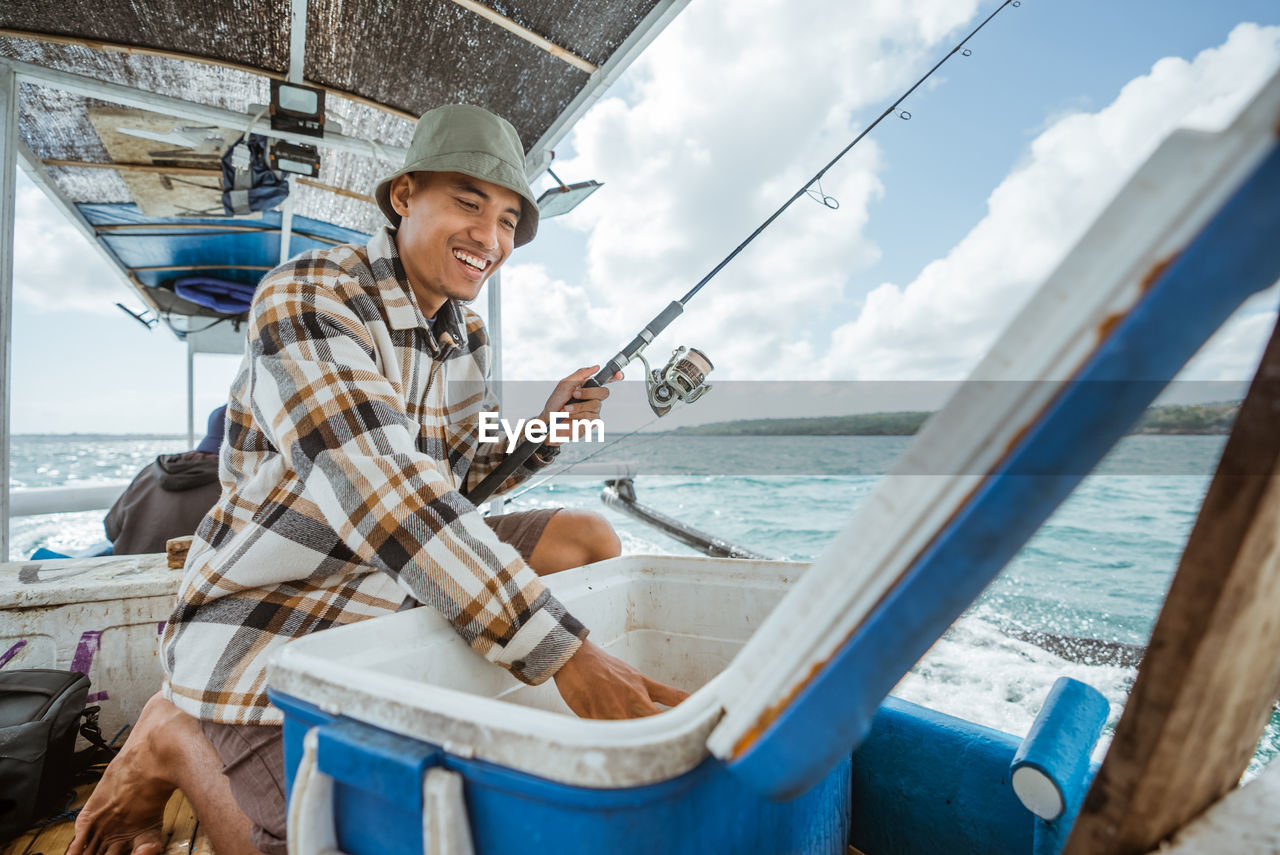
x=945 y=225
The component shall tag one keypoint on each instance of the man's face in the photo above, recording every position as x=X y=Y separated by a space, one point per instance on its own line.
x=454 y=233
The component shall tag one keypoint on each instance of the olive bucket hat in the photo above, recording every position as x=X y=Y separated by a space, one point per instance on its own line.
x=475 y=142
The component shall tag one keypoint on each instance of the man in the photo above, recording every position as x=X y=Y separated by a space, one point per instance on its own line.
x=351 y=428
x=169 y=497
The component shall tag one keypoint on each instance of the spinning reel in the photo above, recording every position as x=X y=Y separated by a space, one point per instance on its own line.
x=683 y=378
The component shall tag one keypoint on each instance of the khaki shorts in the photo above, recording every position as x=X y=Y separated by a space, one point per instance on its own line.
x=253 y=755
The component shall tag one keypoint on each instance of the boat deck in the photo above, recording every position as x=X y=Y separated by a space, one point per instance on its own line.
x=182 y=831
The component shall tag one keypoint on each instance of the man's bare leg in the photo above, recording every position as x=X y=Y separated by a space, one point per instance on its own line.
x=165 y=751
x=573 y=538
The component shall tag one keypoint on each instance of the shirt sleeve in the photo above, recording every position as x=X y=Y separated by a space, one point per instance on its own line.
x=340 y=425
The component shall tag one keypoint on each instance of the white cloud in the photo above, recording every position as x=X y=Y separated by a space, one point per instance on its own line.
x=714 y=134
x=938 y=325
x=55 y=268
x=1233 y=354
x=548 y=324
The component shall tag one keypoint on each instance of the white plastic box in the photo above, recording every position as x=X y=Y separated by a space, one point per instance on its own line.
x=679 y=620
x=99 y=616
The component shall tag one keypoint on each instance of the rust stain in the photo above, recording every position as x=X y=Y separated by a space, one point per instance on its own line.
x=1110 y=322
x=1012 y=444
x=1157 y=270
x=1108 y=325
x=771 y=714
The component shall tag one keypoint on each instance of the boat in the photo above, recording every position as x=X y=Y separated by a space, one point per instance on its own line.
x=792 y=715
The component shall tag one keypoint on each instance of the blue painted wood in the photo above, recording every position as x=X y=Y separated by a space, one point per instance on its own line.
x=1058 y=746
x=1236 y=254
x=1063 y=735
x=927 y=783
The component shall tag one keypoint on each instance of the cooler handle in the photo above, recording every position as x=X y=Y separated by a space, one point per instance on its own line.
x=445 y=830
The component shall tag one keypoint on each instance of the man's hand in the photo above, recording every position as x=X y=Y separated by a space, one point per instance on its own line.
x=590 y=400
x=597 y=685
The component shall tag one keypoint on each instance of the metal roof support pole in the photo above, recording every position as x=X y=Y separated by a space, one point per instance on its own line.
x=297 y=52
x=39 y=176
x=8 y=178
x=286 y=220
x=191 y=400
x=495 y=365
x=179 y=109
x=297 y=39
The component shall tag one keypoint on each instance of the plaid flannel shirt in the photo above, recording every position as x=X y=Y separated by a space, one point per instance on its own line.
x=350 y=429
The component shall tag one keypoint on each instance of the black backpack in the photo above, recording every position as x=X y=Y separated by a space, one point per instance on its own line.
x=40 y=711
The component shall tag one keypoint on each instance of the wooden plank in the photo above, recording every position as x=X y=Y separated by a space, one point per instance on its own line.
x=195 y=170
x=1245 y=820
x=1205 y=689
x=200 y=844
x=340 y=191
x=181 y=830
x=528 y=35
x=180 y=824
x=51 y=839
x=164 y=193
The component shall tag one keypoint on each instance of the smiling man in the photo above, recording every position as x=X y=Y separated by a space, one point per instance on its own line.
x=352 y=427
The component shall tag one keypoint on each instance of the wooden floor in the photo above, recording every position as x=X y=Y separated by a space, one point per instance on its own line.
x=180 y=826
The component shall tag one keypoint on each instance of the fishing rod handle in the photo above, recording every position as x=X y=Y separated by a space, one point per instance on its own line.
x=522 y=452
x=639 y=343
x=527 y=447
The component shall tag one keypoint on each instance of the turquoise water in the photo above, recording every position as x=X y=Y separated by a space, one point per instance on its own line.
x=1099 y=568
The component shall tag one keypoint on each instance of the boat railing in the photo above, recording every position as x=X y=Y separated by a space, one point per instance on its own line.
x=38 y=501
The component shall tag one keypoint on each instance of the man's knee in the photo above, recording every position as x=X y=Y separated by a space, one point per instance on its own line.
x=598 y=539
x=573 y=538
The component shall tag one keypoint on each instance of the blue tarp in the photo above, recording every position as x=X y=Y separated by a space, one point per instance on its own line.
x=249 y=246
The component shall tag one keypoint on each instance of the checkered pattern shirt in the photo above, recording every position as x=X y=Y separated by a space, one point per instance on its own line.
x=351 y=427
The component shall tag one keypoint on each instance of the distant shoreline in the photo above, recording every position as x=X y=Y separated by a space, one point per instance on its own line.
x=1174 y=420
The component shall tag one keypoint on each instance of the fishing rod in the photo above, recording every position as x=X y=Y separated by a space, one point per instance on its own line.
x=684 y=376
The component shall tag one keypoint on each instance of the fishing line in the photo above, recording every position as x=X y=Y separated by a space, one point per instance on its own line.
x=677 y=380
x=823 y=171
x=562 y=470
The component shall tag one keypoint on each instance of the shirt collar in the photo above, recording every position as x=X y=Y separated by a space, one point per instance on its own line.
x=397 y=297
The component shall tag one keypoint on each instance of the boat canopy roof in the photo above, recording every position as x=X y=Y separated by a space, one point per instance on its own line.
x=126 y=108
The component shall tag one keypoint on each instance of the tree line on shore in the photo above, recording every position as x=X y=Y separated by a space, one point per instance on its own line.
x=1213 y=418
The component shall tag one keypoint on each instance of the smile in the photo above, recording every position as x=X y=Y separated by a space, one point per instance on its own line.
x=471 y=260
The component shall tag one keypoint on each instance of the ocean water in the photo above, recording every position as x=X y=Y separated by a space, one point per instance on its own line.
x=1099 y=568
